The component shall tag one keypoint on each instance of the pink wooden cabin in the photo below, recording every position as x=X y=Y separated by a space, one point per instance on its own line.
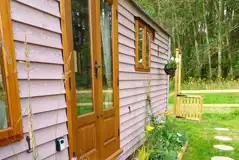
x=78 y=78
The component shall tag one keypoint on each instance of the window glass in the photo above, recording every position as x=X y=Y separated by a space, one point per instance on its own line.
x=82 y=56
x=3 y=98
x=143 y=48
x=140 y=46
x=106 y=46
x=147 y=48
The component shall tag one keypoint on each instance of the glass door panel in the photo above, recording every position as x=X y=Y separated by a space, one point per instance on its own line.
x=82 y=56
x=109 y=137
x=106 y=53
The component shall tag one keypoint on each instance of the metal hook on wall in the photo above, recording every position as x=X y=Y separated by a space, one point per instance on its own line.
x=29 y=144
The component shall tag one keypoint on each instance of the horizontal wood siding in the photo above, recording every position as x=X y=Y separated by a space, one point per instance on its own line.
x=133 y=84
x=39 y=21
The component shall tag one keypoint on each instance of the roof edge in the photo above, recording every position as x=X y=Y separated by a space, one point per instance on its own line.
x=159 y=26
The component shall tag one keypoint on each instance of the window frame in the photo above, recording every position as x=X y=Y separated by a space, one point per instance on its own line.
x=15 y=130
x=139 y=23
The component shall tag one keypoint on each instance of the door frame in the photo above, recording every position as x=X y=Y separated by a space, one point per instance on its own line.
x=69 y=77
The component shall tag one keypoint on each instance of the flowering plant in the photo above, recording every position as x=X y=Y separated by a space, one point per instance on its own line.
x=162 y=140
x=172 y=63
x=171 y=66
x=149 y=128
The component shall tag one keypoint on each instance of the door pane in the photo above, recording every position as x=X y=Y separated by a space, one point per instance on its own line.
x=82 y=56
x=140 y=46
x=106 y=47
x=3 y=98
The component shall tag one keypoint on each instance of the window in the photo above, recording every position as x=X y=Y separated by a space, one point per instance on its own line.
x=10 y=112
x=143 y=46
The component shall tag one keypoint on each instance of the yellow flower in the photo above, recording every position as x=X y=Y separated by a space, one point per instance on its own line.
x=167 y=113
x=149 y=128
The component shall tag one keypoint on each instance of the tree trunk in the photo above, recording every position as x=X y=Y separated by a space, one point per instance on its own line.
x=207 y=42
x=220 y=12
x=229 y=45
x=195 y=41
x=174 y=40
x=220 y=18
x=230 y=58
x=196 y=50
x=178 y=41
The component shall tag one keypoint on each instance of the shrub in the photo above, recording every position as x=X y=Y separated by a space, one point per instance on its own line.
x=162 y=141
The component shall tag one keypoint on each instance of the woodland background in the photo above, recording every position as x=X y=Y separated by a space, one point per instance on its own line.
x=207 y=32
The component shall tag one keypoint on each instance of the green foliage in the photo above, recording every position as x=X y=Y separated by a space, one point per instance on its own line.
x=172 y=63
x=143 y=153
x=162 y=141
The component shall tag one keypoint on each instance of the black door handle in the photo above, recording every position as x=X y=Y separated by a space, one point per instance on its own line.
x=97 y=67
x=99 y=116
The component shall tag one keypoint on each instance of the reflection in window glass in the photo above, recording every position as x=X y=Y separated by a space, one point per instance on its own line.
x=147 y=48
x=3 y=98
x=82 y=56
x=140 y=46
x=106 y=46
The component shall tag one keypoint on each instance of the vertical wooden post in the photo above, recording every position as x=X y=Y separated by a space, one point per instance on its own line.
x=179 y=70
x=201 y=106
x=176 y=88
x=177 y=82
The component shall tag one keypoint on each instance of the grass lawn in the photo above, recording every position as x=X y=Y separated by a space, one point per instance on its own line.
x=216 y=98
x=201 y=134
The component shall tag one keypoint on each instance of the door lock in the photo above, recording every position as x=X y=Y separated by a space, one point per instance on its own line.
x=97 y=67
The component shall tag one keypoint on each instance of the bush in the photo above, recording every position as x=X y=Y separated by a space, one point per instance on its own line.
x=162 y=141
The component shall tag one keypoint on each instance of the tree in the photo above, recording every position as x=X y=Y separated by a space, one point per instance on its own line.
x=205 y=30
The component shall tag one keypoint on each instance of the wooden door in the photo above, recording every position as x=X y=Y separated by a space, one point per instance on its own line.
x=109 y=87
x=85 y=94
x=94 y=88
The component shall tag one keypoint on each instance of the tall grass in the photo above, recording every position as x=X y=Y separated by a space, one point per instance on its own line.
x=204 y=84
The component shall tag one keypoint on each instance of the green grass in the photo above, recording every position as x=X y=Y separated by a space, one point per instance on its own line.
x=215 y=98
x=201 y=134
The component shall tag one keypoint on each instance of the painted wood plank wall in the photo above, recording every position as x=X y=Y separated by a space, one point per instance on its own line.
x=133 y=84
x=39 y=20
